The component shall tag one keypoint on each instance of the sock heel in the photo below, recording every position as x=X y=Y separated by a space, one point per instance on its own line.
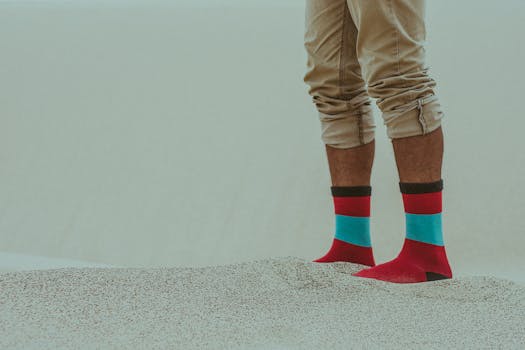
x=433 y=276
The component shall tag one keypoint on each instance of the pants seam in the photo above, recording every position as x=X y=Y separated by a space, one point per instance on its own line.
x=344 y=30
x=341 y=47
x=421 y=120
x=396 y=37
x=421 y=117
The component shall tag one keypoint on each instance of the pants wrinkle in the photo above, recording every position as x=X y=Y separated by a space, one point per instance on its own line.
x=370 y=49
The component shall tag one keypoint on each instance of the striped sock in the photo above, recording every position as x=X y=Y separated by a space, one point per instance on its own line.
x=352 y=226
x=423 y=257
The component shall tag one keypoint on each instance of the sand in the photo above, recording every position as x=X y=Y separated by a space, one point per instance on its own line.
x=277 y=303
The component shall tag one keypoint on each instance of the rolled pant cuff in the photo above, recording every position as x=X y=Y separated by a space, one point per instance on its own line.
x=418 y=119
x=347 y=130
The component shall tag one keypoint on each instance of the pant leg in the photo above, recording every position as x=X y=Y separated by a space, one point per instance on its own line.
x=334 y=75
x=391 y=34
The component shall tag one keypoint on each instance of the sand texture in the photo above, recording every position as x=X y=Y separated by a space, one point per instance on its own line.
x=277 y=303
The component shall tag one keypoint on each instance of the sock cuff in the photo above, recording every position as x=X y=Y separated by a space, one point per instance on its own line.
x=421 y=187
x=351 y=191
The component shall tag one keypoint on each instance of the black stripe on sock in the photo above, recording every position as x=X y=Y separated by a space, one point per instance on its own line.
x=421 y=187
x=351 y=191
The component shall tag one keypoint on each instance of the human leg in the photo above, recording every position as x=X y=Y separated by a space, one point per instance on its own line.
x=347 y=124
x=390 y=50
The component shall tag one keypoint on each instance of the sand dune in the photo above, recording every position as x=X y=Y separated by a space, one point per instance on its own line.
x=278 y=303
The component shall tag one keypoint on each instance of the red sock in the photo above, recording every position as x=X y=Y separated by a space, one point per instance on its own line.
x=423 y=257
x=352 y=232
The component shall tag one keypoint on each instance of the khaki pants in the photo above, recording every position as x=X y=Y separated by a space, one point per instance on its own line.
x=359 y=49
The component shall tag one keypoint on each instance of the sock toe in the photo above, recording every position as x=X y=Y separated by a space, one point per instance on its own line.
x=347 y=252
x=395 y=272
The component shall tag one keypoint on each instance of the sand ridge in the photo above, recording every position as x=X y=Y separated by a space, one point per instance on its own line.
x=276 y=303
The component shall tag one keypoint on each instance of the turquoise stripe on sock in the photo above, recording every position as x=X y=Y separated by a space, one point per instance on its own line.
x=425 y=228
x=353 y=229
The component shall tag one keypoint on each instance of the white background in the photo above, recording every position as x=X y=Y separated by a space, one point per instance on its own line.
x=181 y=134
